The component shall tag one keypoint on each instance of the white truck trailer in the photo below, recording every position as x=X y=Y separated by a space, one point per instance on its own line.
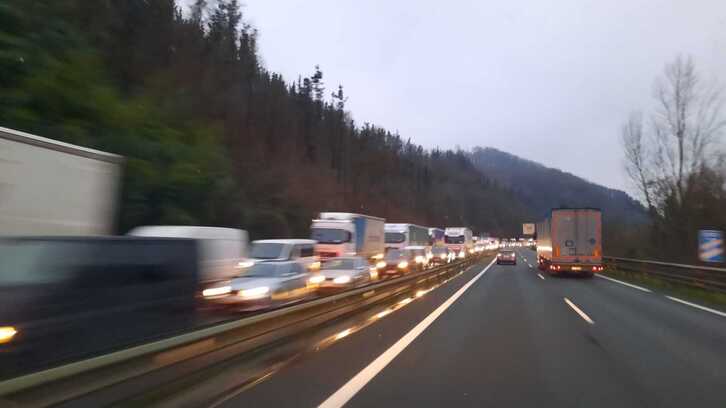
x=49 y=187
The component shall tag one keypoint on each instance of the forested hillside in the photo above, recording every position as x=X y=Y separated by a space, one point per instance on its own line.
x=541 y=188
x=211 y=136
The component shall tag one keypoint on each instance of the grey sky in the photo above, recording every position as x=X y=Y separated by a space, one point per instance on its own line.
x=551 y=81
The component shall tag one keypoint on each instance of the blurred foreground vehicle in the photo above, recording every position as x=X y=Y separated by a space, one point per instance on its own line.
x=265 y=285
x=345 y=273
x=53 y=188
x=64 y=298
x=221 y=250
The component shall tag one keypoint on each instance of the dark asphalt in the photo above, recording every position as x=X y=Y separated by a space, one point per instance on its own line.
x=511 y=340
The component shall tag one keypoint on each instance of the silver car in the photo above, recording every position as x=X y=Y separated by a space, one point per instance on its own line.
x=265 y=285
x=344 y=273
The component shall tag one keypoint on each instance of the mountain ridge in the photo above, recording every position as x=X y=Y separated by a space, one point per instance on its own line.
x=541 y=188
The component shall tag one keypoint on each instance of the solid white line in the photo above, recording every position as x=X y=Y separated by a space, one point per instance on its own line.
x=580 y=312
x=540 y=276
x=708 y=309
x=355 y=384
x=624 y=283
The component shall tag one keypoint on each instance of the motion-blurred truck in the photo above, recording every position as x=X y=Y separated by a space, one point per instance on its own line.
x=53 y=188
x=348 y=234
x=570 y=241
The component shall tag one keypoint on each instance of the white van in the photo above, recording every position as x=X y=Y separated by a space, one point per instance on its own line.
x=220 y=249
x=278 y=250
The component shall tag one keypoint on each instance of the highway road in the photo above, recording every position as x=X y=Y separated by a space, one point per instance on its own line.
x=508 y=336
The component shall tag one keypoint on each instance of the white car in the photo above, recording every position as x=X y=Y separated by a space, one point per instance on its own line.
x=344 y=272
x=264 y=285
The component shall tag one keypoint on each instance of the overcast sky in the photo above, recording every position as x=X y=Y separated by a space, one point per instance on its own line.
x=550 y=81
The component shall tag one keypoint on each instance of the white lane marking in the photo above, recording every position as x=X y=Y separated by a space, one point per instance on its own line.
x=708 y=309
x=540 y=276
x=530 y=265
x=580 y=312
x=624 y=283
x=355 y=384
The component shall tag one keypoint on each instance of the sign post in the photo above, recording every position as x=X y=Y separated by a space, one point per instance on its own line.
x=528 y=229
x=710 y=246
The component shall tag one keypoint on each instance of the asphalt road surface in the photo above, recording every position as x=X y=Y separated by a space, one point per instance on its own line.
x=510 y=337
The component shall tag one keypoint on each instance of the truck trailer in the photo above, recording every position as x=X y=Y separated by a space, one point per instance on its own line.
x=569 y=240
x=49 y=187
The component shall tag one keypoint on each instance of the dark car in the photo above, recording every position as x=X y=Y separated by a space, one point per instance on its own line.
x=506 y=257
x=71 y=297
x=394 y=262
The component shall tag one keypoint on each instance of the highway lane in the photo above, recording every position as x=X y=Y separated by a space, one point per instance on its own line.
x=511 y=339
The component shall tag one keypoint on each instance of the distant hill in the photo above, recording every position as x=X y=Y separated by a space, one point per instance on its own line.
x=541 y=188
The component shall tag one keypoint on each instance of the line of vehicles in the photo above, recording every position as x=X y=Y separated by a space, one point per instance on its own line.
x=345 y=250
x=65 y=282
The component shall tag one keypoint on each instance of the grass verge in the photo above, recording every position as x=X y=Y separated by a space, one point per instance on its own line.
x=716 y=300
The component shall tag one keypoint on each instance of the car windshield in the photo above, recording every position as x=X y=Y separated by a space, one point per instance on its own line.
x=339 y=264
x=267 y=270
x=267 y=250
x=508 y=253
x=330 y=235
x=395 y=237
x=454 y=239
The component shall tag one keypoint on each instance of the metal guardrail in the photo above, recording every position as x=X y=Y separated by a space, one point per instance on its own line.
x=184 y=354
x=702 y=277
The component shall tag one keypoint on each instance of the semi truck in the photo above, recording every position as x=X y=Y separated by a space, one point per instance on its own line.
x=400 y=236
x=348 y=234
x=49 y=187
x=436 y=236
x=569 y=240
x=458 y=240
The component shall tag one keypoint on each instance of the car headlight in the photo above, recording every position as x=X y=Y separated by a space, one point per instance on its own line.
x=442 y=256
x=221 y=290
x=245 y=264
x=381 y=264
x=316 y=279
x=254 y=292
x=315 y=265
x=419 y=259
x=341 y=280
x=462 y=254
x=7 y=333
x=403 y=264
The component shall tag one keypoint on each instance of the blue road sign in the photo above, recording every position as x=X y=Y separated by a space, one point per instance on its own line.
x=710 y=245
